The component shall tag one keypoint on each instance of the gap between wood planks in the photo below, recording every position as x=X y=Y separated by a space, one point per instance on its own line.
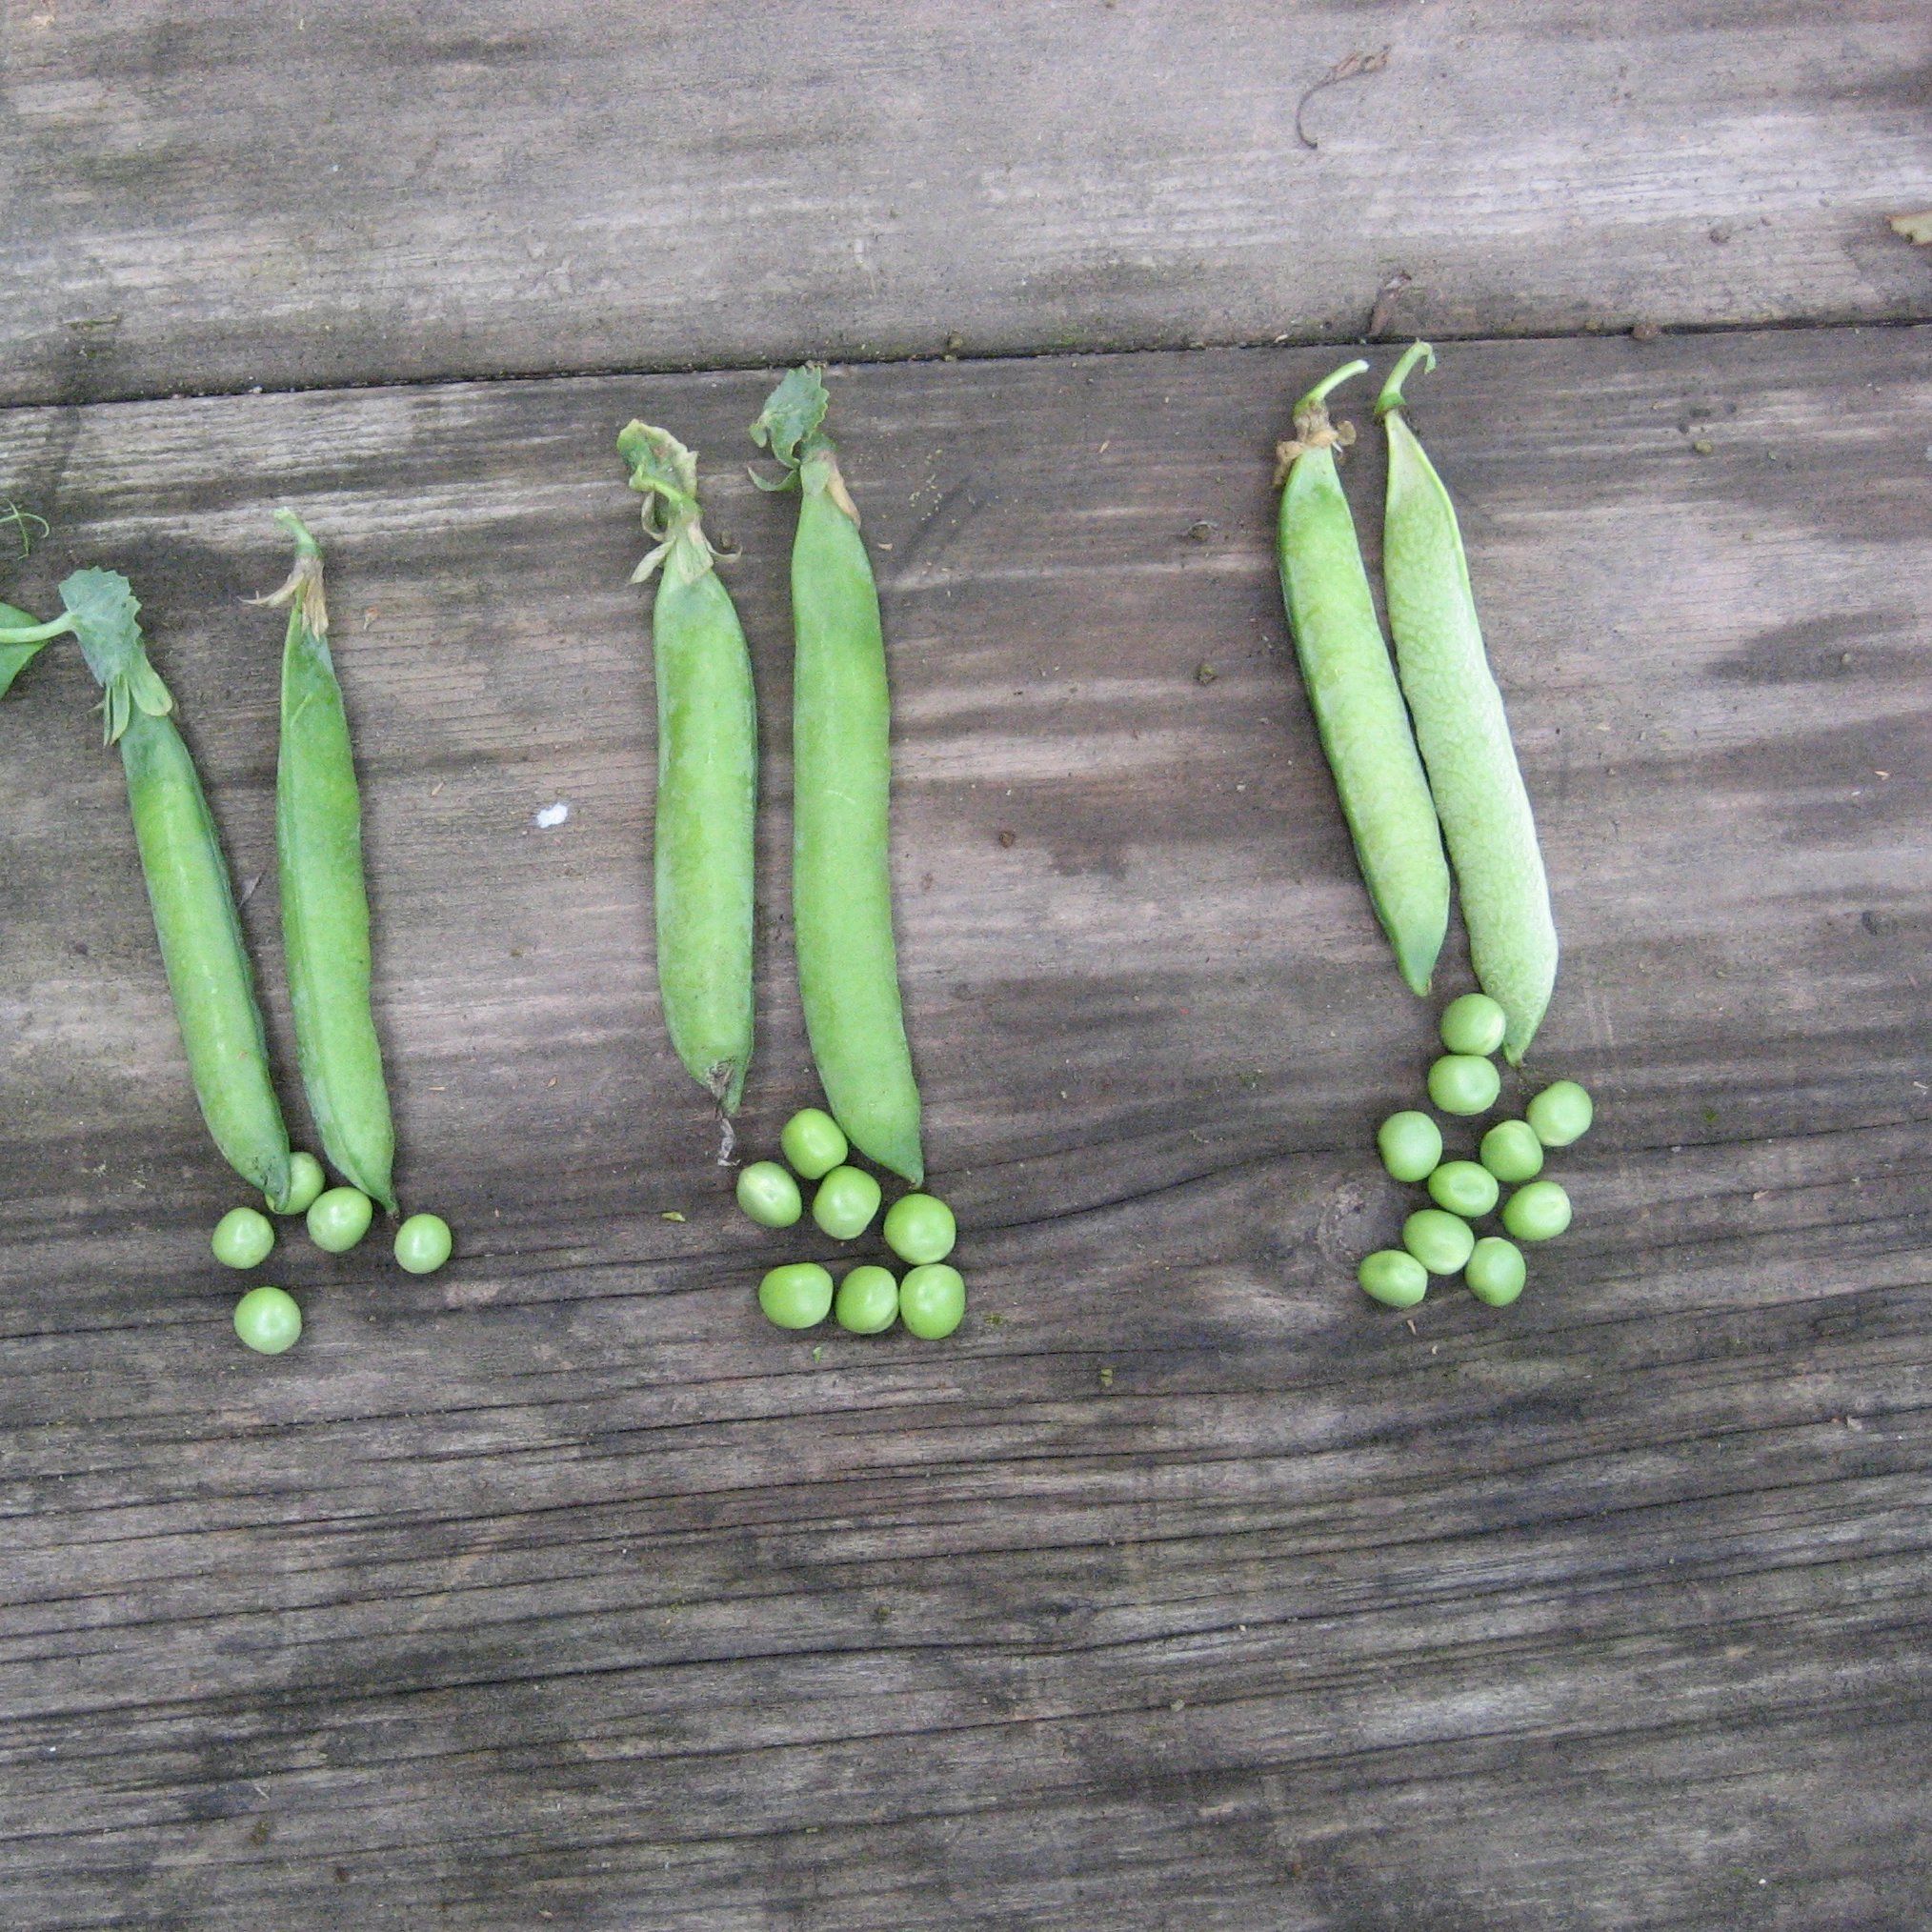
x=1371 y=338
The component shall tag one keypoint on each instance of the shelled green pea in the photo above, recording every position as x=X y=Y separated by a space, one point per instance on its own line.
x=1411 y=1145
x=1463 y=1188
x=769 y=1195
x=1562 y=1113
x=1495 y=1270
x=1441 y=1241
x=1539 y=1211
x=1393 y=1277
x=1512 y=1152
x=847 y=1200
x=798 y=1295
x=1464 y=1085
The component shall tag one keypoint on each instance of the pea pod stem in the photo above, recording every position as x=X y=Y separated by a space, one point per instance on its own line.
x=325 y=900
x=1352 y=690
x=841 y=884
x=703 y=824
x=188 y=892
x=28 y=632
x=1462 y=728
x=1391 y=395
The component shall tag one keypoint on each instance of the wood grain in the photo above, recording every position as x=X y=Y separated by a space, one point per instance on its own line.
x=1184 y=1588
x=223 y=194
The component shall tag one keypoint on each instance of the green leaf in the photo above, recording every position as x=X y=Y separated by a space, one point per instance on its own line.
x=15 y=658
x=793 y=411
x=153 y=696
x=643 y=573
x=105 y=613
x=106 y=619
x=661 y=466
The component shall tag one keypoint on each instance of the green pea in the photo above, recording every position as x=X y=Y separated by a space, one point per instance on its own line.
x=1463 y=1083
x=1473 y=1024
x=306 y=1180
x=919 y=1227
x=868 y=1300
x=1463 y=730
x=1440 y=1241
x=1512 y=1152
x=1411 y=1144
x=1392 y=1277
x=813 y=1142
x=707 y=777
x=769 y=1195
x=243 y=1237
x=339 y=1219
x=268 y=1321
x=932 y=1300
x=1561 y=1114
x=845 y=1203
x=1463 y=1188
x=797 y=1296
x=1495 y=1270
x=1537 y=1211
x=422 y=1243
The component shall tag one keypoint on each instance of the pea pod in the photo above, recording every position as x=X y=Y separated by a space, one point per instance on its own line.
x=1352 y=692
x=702 y=835
x=188 y=883
x=841 y=886
x=1464 y=731
x=325 y=904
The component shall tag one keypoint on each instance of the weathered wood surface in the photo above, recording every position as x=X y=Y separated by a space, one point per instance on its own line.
x=225 y=194
x=1184 y=1588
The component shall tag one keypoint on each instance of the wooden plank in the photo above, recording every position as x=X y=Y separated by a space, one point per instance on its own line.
x=224 y=195
x=1183 y=1588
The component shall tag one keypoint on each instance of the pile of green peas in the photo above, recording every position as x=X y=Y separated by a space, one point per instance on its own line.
x=1438 y=1240
x=930 y=1300
x=267 y=1318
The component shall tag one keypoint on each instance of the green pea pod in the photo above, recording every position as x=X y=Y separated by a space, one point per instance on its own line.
x=1352 y=692
x=201 y=946
x=325 y=904
x=188 y=883
x=841 y=885
x=702 y=835
x=1464 y=731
